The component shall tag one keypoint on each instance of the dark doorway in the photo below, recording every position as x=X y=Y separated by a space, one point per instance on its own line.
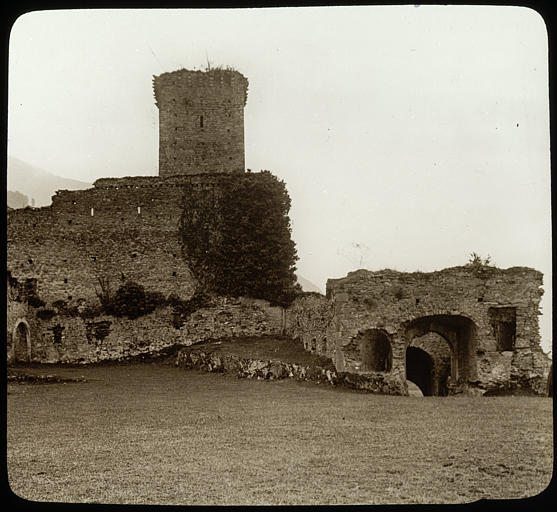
x=21 y=343
x=419 y=369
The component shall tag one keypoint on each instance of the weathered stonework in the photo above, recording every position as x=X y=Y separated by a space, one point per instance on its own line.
x=486 y=320
x=73 y=339
x=201 y=121
x=308 y=319
x=200 y=359
x=121 y=229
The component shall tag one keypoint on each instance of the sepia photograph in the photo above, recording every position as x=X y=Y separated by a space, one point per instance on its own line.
x=279 y=256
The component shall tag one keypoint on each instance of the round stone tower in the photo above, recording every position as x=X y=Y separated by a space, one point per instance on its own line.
x=201 y=121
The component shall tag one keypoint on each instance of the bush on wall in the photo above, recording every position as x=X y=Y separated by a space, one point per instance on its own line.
x=133 y=301
x=236 y=237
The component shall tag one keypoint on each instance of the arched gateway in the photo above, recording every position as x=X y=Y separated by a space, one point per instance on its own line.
x=424 y=363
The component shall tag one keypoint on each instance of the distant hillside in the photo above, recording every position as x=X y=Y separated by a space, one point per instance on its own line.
x=308 y=286
x=16 y=199
x=37 y=183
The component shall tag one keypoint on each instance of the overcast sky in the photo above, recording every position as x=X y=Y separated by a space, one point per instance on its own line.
x=407 y=136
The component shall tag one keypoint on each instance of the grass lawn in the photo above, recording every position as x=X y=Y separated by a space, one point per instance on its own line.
x=156 y=434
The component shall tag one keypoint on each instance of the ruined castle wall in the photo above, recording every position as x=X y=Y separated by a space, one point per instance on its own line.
x=465 y=305
x=309 y=319
x=73 y=339
x=201 y=121
x=120 y=229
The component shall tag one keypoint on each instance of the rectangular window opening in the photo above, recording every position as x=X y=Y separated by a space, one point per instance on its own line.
x=503 y=323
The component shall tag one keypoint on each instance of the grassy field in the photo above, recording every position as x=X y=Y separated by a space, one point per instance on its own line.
x=156 y=434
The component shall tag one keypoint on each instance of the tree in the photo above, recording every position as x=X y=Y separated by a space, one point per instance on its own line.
x=237 y=237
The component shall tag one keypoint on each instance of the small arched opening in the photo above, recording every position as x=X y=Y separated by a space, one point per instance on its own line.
x=375 y=353
x=21 y=342
x=419 y=369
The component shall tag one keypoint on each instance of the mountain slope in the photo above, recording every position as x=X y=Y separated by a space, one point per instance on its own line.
x=307 y=286
x=37 y=183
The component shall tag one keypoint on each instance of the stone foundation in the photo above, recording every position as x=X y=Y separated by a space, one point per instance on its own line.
x=196 y=358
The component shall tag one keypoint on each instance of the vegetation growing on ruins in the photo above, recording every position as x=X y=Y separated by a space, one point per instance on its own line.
x=25 y=291
x=182 y=309
x=237 y=237
x=476 y=260
x=132 y=300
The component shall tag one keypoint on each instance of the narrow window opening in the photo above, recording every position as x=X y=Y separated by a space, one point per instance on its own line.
x=139 y=210
x=92 y=212
x=200 y=121
x=65 y=280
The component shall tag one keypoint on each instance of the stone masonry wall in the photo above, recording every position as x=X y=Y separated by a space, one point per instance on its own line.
x=459 y=303
x=64 y=339
x=122 y=229
x=201 y=121
x=308 y=319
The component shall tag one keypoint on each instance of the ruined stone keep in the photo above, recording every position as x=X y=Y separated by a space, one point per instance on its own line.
x=201 y=121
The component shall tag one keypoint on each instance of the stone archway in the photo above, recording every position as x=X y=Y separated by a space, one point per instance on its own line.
x=440 y=352
x=460 y=333
x=21 y=341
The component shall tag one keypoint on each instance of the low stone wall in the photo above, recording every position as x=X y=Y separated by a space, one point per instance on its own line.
x=73 y=339
x=196 y=358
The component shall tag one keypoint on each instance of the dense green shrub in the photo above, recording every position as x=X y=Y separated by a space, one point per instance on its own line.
x=237 y=237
